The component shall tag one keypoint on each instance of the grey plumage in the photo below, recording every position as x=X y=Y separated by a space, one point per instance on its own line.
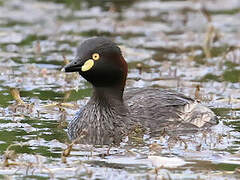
x=107 y=119
x=104 y=118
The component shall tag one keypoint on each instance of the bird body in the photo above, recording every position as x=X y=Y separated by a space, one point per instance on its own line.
x=112 y=113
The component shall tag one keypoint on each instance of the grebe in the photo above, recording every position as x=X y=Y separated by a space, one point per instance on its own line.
x=112 y=113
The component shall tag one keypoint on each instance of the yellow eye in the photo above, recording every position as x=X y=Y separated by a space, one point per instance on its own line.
x=95 y=56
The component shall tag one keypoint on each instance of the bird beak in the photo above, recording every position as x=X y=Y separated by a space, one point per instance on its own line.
x=74 y=66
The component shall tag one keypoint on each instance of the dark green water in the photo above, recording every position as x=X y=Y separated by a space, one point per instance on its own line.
x=169 y=38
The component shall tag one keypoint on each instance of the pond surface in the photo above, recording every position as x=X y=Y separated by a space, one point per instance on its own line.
x=180 y=45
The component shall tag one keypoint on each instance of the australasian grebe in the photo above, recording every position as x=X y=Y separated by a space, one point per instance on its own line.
x=112 y=113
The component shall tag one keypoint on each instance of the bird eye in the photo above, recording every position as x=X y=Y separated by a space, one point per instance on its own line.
x=95 y=56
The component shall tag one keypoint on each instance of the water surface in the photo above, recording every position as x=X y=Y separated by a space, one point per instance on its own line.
x=180 y=45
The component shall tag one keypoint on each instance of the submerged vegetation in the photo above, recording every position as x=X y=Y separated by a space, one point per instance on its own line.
x=189 y=46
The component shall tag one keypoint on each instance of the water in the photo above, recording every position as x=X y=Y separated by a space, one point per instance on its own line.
x=179 y=44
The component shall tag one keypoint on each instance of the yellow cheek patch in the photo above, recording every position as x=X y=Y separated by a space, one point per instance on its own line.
x=87 y=65
x=95 y=56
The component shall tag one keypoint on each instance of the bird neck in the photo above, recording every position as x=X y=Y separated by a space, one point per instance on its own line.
x=108 y=101
x=108 y=95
